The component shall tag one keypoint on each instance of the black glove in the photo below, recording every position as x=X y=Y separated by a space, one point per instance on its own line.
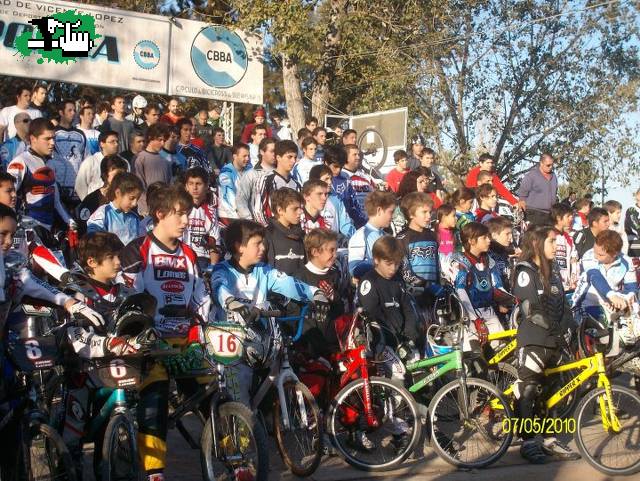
x=319 y=306
x=245 y=311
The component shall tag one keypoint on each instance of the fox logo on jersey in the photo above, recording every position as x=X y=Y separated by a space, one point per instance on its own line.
x=167 y=267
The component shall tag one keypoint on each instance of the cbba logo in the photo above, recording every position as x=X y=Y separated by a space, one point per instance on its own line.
x=146 y=54
x=219 y=57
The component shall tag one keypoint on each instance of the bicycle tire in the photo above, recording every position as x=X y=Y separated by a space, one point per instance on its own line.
x=299 y=468
x=349 y=452
x=57 y=455
x=502 y=375
x=363 y=135
x=234 y=411
x=438 y=411
x=110 y=467
x=585 y=409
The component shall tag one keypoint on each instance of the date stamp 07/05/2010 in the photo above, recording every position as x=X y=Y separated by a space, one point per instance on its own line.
x=548 y=426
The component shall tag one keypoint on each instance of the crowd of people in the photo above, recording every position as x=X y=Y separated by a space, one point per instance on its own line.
x=157 y=198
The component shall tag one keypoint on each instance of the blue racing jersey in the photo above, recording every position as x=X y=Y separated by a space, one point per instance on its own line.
x=475 y=280
x=230 y=281
x=360 y=249
x=422 y=258
x=343 y=189
x=108 y=218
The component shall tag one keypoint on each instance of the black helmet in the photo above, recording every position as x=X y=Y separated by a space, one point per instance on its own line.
x=134 y=315
x=262 y=343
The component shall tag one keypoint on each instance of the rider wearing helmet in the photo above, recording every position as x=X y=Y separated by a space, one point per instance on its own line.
x=138 y=104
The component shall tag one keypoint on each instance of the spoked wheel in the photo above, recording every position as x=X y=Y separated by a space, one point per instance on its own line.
x=614 y=452
x=502 y=375
x=44 y=456
x=478 y=439
x=300 y=443
x=239 y=450
x=120 y=451
x=381 y=447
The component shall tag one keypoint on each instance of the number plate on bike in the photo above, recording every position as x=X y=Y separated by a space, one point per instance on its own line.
x=34 y=354
x=224 y=342
x=115 y=373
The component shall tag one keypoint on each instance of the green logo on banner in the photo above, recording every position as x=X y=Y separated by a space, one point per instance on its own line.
x=61 y=38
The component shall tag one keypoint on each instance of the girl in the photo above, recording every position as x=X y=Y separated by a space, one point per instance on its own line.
x=545 y=317
x=446 y=216
x=462 y=200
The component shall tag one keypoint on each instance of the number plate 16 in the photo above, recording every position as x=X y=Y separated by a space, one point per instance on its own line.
x=224 y=342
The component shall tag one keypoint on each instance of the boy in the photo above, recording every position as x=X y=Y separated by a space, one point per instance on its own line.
x=315 y=194
x=248 y=200
x=203 y=231
x=379 y=207
x=487 y=201
x=501 y=248
x=280 y=177
x=582 y=208
x=160 y=264
x=308 y=160
x=243 y=283
x=119 y=216
x=566 y=253
x=614 y=208
x=421 y=247
x=283 y=237
x=8 y=195
x=228 y=182
x=335 y=158
x=382 y=296
x=334 y=211
x=402 y=167
x=476 y=278
x=598 y=221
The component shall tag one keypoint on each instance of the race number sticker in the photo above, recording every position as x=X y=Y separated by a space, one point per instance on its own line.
x=224 y=343
x=523 y=279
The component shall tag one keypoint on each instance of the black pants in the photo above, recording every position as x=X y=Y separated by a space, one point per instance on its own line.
x=537 y=217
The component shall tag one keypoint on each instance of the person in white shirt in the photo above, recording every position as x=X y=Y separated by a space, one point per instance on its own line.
x=7 y=126
x=87 y=115
x=89 y=176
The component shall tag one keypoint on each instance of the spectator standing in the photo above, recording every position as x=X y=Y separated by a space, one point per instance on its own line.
x=487 y=162
x=39 y=99
x=220 y=154
x=7 y=114
x=151 y=116
x=228 y=182
x=172 y=115
x=150 y=165
x=89 y=177
x=259 y=119
x=87 y=116
x=415 y=152
x=16 y=144
x=118 y=123
x=539 y=191
x=136 y=145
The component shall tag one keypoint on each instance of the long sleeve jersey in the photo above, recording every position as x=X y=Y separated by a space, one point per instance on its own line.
x=36 y=186
x=230 y=281
x=227 y=190
x=171 y=276
x=70 y=150
x=360 y=249
x=341 y=185
x=203 y=229
x=108 y=218
x=422 y=259
x=249 y=198
x=475 y=280
x=336 y=216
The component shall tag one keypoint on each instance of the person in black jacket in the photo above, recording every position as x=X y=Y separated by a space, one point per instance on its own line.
x=545 y=320
x=284 y=239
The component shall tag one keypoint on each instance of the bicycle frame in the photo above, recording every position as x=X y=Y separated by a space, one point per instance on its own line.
x=508 y=349
x=115 y=401
x=451 y=361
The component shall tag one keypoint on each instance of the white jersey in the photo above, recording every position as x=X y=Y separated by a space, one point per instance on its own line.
x=567 y=260
x=203 y=225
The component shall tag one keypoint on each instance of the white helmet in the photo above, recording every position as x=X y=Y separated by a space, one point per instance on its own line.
x=139 y=102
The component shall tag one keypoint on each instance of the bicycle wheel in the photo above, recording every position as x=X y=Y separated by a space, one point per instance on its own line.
x=477 y=440
x=301 y=444
x=502 y=375
x=609 y=452
x=240 y=442
x=44 y=456
x=120 y=451
x=389 y=443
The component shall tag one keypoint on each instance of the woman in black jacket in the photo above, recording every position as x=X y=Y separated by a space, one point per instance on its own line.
x=545 y=318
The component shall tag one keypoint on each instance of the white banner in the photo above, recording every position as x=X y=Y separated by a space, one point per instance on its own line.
x=142 y=53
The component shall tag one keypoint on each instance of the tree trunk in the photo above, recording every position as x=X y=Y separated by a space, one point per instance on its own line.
x=327 y=68
x=293 y=94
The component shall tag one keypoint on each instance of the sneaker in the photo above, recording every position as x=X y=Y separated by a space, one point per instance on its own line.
x=557 y=449
x=532 y=452
x=362 y=442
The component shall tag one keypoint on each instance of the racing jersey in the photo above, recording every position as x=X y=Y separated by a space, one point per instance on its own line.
x=567 y=260
x=194 y=156
x=302 y=169
x=171 y=276
x=422 y=257
x=336 y=217
x=249 y=198
x=309 y=222
x=632 y=228
x=177 y=160
x=70 y=150
x=93 y=146
x=462 y=219
x=203 y=226
x=362 y=184
x=360 y=246
x=598 y=282
x=341 y=185
x=483 y=215
x=265 y=187
x=475 y=279
x=228 y=186
x=579 y=222
x=108 y=218
x=230 y=281
x=36 y=186
x=10 y=149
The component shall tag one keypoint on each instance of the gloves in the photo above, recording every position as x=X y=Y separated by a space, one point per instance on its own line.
x=186 y=361
x=327 y=289
x=320 y=306
x=122 y=345
x=481 y=330
x=245 y=311
x=82 y=310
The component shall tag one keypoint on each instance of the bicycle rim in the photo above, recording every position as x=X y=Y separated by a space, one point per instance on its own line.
x=609 y=452
x=502 y=375
x=396 y=435
x=477 y=441
x=119 y=451
x=241 y=444
x=301 y=444
x=45 y=456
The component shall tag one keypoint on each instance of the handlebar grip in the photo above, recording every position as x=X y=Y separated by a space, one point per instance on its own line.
x=274 y=313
